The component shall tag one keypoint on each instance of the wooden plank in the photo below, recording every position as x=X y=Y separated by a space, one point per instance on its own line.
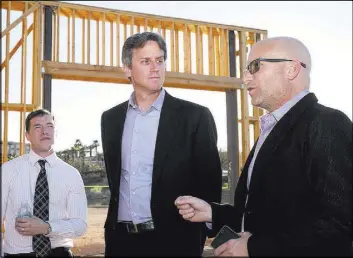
x=217 y=55
x=103 y=40
x=58 y=35
x=176 y=50
x=18 y=107
x=132 y=26
x=54 y=37
x=172 y=49
x=23 y=84
x=199 y=51
x=256 y=125
x=84 y=11
x=7 y=77
x=244 y=100
x=73 y=35
x=159 y=27
x=111 y=44
x=16 y=47
x=223 y=53
x=125 y=31
x=118 y=40
x=187 y=68
x=9 y=27
x=146 y=24
x=211 y=62
x=97 y=42
x=164 y=33
x=70 y=71
x=83 y=41
x=88 y=42
x=68 y=39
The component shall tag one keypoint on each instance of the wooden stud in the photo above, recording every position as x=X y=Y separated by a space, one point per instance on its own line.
x=217 y=55
x=73 y=35
x=68 y=39
x=97 y=43
x=89 y=38
x=118 y=40
x=83 y=40
x=58 y=35
x=111 y=43
x=103 y=40
x=186 y=50
x=176 y=50
x=211 y=62
x=23 y=83
x=172 y=49
x=222 y=50
x=132 y=26
x=7 y=75
x=199 y=51
x=244 y=100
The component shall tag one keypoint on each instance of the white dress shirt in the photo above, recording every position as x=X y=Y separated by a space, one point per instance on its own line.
x=67 y=200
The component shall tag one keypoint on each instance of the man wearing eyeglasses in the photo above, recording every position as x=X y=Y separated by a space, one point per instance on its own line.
x=294 y=196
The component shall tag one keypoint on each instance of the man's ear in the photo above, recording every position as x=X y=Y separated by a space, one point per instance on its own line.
x=127 y=71
x=293 y=70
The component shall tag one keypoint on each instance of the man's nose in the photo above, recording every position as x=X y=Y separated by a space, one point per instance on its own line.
x=247 y=77
x=154 y=66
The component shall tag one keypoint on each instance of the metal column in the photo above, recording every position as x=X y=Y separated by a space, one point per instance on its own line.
x=232 y=123
x=48 y=42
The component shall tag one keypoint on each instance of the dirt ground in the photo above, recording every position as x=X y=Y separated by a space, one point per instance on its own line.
x=92 y=243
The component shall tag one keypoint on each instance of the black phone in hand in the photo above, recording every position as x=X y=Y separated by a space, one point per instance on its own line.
x=225 y=234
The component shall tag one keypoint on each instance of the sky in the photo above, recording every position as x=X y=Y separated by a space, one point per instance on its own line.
x=324 y=27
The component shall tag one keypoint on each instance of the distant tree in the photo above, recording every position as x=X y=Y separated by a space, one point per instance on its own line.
x=223 y=156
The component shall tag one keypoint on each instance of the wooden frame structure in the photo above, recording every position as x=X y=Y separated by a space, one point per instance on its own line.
x=204 y=56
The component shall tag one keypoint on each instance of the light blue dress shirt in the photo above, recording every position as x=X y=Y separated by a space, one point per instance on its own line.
x=137 y=155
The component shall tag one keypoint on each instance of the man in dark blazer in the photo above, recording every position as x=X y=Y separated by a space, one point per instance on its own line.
x=156 y=147
x=294 y=196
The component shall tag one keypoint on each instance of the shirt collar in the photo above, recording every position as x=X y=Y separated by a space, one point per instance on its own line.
x=157 y=104
x=34 y=157
x=273 y=117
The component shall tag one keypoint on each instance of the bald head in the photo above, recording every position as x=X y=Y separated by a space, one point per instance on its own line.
x=285 y=47
x=271 y=78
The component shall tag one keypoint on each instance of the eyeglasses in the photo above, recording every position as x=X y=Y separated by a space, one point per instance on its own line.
x=254 y=65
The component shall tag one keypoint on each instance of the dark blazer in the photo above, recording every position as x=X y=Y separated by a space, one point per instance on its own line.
x=300 y=194
x=186 y=162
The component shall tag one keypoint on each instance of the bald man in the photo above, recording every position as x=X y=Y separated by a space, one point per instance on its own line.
x=294 y=196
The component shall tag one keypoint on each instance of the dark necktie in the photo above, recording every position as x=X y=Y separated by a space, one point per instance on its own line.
x=41 y=243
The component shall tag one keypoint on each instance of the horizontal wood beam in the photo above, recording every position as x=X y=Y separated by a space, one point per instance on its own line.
x=18 y=107
x=83 y=10
x=98 y=73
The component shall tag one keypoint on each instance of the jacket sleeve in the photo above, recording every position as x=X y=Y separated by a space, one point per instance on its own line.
x=328 y=161
x=206 y=161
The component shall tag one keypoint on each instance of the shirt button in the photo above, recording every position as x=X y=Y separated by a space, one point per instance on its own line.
x=133 y=192
x=136 y=130
x=134 y=151
x=133 y=173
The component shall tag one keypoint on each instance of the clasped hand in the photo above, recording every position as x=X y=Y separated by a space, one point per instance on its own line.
x=31 y=226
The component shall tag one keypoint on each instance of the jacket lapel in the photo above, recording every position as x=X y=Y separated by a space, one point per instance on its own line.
x=168 y=123
x=275 y=137
x=116 y=140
